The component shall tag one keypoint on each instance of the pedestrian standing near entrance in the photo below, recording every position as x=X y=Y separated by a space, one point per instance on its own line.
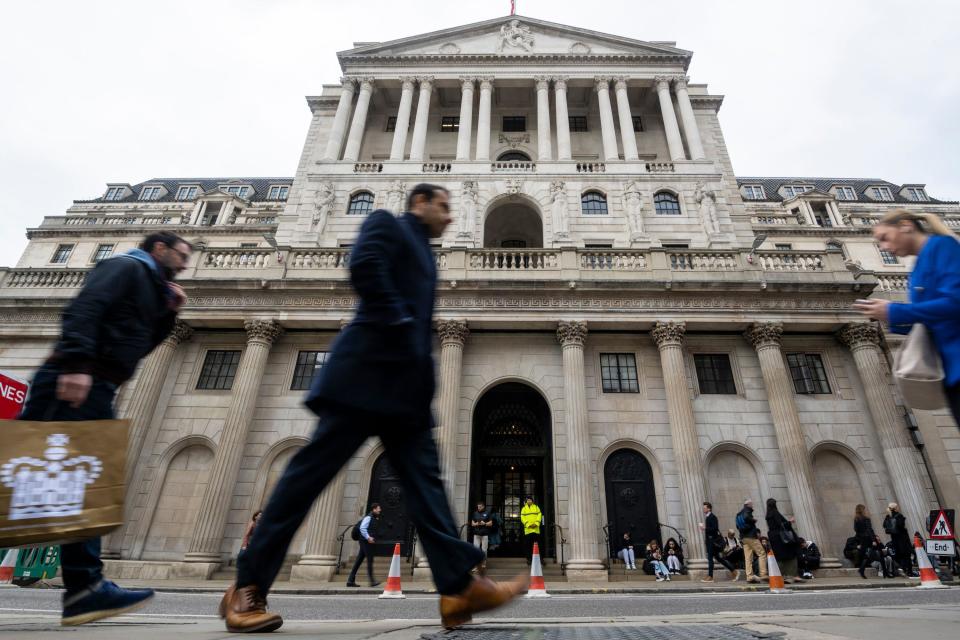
x=378 y=380
x=934 y=288
x=127 y=306
x=750 y=540
x=863 y=531
x=365 y=540
x=532 y=519
x=783 y=540
x=482 y=524
x=713 y=540
x=895 y=524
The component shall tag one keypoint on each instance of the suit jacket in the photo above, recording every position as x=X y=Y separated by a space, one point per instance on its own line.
x=382 y=361
x=711 y=527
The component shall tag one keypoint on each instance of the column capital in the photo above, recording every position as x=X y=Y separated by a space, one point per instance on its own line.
x=764 y=335
x=662 y=82
x=669 y=334
x=406 y=83
x=680 y=82
x=572 y=332
x=543 y=83
x=349 y=83
x=601 y=83
x=265 y=331
x=366 y=83
x=181 y=332
x=466 y=82
x=425 y=81
x=452 y=331
x=344 y=323
x=620 y=83
x=858 y=335
x=560 y=82
x=486 y=82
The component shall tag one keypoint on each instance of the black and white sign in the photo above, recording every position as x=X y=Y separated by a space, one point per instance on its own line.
x=940 y=548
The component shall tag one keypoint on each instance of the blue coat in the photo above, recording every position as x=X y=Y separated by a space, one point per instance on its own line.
x=935 y=301
x=382 y=361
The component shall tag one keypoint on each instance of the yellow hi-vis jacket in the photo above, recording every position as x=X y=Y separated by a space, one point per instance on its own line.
x=531 y=517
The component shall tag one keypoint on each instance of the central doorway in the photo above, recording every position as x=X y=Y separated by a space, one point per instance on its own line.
x=512 y=459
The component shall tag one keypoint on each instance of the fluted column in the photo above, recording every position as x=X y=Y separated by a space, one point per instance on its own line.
x=563 y=118
x=403 y=121
x=212 y=517
x=544 y=148
x=607 y=130
x=466 y=119
x=453 y=335
x=674 y=144
x=483 y=119
x=690 y=128
x=626 y=121
x=359 y=122
x=319 y=559
x=766 y=338
x=422 y=122
x=669 y=337
x=903 y=468
x=339 y=127
x=585 y=562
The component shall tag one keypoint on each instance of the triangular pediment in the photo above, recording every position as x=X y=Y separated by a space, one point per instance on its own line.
x=516 y=36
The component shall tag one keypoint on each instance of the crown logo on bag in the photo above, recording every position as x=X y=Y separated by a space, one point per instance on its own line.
x=49 y=487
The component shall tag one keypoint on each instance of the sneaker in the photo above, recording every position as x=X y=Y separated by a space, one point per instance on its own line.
x=660 y=578
x=668 y=577
x=102 y=600
x=808 y=576
x=753 y=580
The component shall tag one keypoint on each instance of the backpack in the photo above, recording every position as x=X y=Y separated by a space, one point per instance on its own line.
x=741 y=522
x=355 y=530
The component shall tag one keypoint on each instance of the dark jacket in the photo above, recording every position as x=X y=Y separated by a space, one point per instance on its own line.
x=776 y=525
x=895 y=524
x=121 y=313
x=750 y=530
x=863 y=530
x=382 y=360
x=711 y=527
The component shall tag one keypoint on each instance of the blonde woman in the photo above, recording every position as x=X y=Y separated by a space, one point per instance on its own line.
x=934 y=288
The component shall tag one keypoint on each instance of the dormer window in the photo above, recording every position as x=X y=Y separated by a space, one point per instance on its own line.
x=151 y=193
x=236 y=190
x=187 y=193
x=754 y=192
x=917 y=193
x=881 y=193
x=278 y=192
x=845 y=193
x=795 y=190
x=115 y=193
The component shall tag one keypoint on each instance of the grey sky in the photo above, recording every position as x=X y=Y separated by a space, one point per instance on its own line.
x=98 y=91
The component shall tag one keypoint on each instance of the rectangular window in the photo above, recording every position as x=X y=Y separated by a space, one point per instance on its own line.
x=637 y=123
x=846 y=193
x=513 y=244
x=278 y=192
x=391 y=124
x=62 y=254
x=794 y=190
x=783 y=247
x=514 y=124
x=917 y=194
x=888 y=258
x=618 y=371
x=675 y=245
x=186 y=193
x=449 y=124
x=881 y=193
x=210 y=213
x=809 y=374
x=114 y=193
x=714 y=373
x=240 y=192
x=308 y=364
x=578 y=124
x=753 y=192
x=248 y=245
x=103 y=252
x=150 y=193
x=821 y=217
x=219 y=370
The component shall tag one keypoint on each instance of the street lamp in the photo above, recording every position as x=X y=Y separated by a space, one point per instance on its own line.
x=757 y=241
x=272 y=241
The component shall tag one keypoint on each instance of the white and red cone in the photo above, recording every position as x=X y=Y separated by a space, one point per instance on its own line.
x=392 y=589
x=8 y=565
x=928 y=577
x=776 y=578
x=537 y=587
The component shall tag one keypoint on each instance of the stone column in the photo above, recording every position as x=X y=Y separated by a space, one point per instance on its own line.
x=563 y=118
x=319 y=559
x=766 y=338
x=453 y=335
x=205 y=546
x=544 y=148
x=602 y=87
x=585 y=562
x=422 y=122
x=483 y=119
x=359 y=122
x=674 y=143
x=403 y=121
x=335 y=143
x=903 y=470
x=466 y=119
x=690 y=127
x=669 y=337
x=626 y=121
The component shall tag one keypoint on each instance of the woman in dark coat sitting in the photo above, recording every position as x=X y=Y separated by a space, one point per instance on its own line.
x=783 y=541
x=674 y=556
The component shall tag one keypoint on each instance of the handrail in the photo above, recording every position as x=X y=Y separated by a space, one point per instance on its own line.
x=680 y=539
x=561 y=542
x=340 y=539
x=462 y=527
x=412 y=553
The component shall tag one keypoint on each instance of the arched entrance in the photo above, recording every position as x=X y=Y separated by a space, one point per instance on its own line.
x=513 y=224
x=631 y=499
x=394 y=525
x=512 y=458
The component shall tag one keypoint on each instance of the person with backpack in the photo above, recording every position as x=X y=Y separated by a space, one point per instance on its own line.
x=361 y=533
x=895 y=525
x=750 y=541
x=783 y=541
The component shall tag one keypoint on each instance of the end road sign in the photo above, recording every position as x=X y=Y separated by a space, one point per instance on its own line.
x=940 y=548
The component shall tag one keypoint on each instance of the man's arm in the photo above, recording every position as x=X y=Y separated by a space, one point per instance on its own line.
x=365 y=529
x=370 y=267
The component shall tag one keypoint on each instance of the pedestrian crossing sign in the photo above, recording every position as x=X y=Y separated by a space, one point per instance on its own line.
x=940 y=529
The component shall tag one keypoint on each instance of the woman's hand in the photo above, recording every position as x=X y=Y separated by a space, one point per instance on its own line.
x=873 y=309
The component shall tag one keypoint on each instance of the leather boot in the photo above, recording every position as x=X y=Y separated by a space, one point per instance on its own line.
x=246 y=612
x=482 y=594
x=225 y=601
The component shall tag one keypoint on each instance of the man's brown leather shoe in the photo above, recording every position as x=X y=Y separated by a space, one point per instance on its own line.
x=482 y=594
x=246 y=612
x=225 y=601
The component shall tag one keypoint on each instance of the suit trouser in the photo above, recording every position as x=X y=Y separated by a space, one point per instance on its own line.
x=752 y=547
x=364 y=553
x=713 y=554
x=412 y=453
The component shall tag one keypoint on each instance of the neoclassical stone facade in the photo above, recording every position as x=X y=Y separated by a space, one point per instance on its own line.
x=624 y=327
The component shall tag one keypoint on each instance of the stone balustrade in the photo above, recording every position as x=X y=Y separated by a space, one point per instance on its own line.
x=237 y=258
x=660 y=167
x=704 y=261
x=513 y=166
x=45 y=278
x=892 y=281
x=612 y=260
x=790 y=260
x=368 y=167
x=513 y=259
x=437 y=167
x=591 y=167
x=774 y=219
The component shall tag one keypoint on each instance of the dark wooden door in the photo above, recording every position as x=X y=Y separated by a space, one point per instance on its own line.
x=394 y=523
x=631 y=499
x=506 y=484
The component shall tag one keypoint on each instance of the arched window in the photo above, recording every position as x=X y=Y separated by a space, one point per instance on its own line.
x=593 y=203
x=666 y=204
x=513 y=156
x=360 y=204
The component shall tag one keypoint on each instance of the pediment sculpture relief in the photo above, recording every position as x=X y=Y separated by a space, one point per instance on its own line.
x=449 y=48
x=516 y=35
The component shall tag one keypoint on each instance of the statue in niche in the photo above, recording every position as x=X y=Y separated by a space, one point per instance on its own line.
x=707 y=200
x=395 y=197
x=633 y=203
x=517 y=35
x=468 y=209
x=558 y=191
x=322 y=206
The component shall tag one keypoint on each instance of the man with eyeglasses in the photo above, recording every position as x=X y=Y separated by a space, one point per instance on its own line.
x=127 y=306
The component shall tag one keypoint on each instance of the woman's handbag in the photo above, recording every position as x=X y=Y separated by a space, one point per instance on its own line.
x=918 y=371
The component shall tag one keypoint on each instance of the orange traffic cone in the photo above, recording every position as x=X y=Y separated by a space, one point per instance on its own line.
x=537 y=587
x=776 y=578
x=8 y=565
x=392 y=590
x=928 y=577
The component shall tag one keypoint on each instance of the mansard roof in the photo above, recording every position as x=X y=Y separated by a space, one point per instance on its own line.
x=771 y=187
x=261 y=188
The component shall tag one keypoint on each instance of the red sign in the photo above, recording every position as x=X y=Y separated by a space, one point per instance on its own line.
x=13 y=393
x=940 y=528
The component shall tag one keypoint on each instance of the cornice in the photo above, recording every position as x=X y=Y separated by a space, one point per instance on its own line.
x=511 y=59
x=95 y=231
